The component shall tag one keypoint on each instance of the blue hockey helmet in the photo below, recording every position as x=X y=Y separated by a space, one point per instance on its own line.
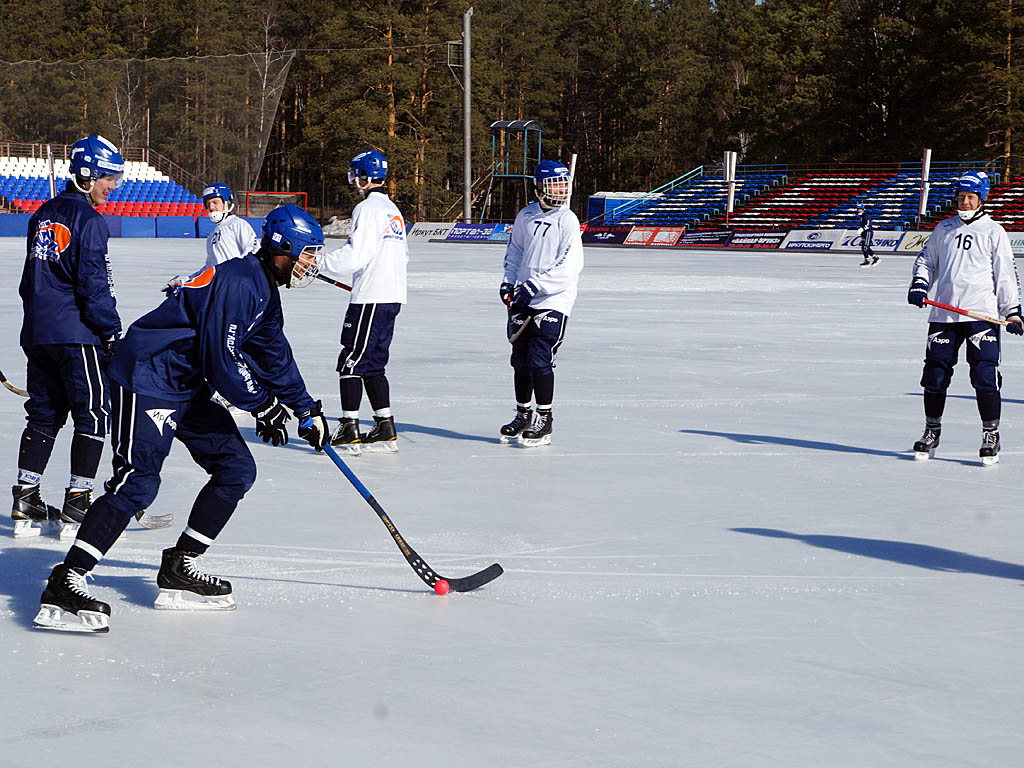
x=370 y=165
x=291 y=230
x=976 y=182
x=552 y=183
x=94 y=157
x=223 y=191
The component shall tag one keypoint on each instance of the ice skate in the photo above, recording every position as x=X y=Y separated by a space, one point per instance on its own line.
x=924 y=448
x=31 y=515
x=539 y=432
x=346 y=437
x=382 y=438
x=866 y=263
x=76 y=503
x=512 y=430
x=67 y=595
x=183 y=587
x=989 y=451
x=874 y=260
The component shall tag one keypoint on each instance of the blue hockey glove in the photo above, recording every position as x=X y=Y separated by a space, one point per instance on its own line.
x=918 y=292
x=271 y=418
x=313 y=427
x=523 y=296
x=505 y=291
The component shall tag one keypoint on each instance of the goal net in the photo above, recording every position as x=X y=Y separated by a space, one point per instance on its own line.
x=261 y=203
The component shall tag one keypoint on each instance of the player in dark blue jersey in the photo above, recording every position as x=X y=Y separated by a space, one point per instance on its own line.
x=222 y=329
x=867 y=232
x=70 y=325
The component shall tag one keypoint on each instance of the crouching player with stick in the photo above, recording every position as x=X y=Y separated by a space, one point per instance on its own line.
x=222 y=329
x=968 y=264
x=542 y=269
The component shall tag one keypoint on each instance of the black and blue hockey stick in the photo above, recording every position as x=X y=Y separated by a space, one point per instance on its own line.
x=429 y=576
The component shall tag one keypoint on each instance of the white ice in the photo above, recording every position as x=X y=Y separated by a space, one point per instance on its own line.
x=726 y=557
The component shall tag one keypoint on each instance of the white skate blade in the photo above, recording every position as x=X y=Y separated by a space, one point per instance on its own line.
x=68 y=531
x=352 y=449
x=27 y=529
x=924 y=455
x=183 y=600
x=153 y=522
x=51 y=617
x=506 y=439
x=988 y=461
x=526 y=442
x=390 y=446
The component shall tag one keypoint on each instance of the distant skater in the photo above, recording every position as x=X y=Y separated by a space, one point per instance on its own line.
x=867 y=232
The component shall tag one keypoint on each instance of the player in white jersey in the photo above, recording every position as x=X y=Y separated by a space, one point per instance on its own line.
x=233 y=236
x=966 y=263
x=375 y=254
x=542 y=268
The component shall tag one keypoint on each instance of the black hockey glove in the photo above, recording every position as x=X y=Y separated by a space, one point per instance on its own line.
x=505 y=291
x=523 y=296
x=315 y=431
x=1015 y=328
x=918 y=292
x=271 y=418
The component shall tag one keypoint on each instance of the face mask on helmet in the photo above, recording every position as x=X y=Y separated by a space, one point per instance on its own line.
x=290 y=231
x=552 y=184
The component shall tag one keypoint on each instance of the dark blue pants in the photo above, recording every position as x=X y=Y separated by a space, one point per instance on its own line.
x=143 y=431
x=866 y=243
x=366 y=339
x=983 y=356
x=535 y=350
x=63 y=379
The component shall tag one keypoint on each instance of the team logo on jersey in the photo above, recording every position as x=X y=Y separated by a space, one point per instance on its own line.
x=161 y=416
x=200 y=279
x=52 y=239
x=981 y=336
x=396 y=229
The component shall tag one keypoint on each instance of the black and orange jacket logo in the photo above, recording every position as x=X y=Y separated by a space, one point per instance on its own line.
x=52 y=239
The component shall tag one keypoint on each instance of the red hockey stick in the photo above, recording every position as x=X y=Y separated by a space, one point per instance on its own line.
x=968 y=313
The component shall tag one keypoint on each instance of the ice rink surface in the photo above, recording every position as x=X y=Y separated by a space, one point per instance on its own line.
x=725 y=558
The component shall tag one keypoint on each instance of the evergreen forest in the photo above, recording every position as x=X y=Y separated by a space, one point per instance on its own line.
x=280 y=94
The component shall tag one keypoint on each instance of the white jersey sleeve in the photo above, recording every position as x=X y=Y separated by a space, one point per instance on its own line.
x=546 y=248
x=376 y=253
x=969 y=266
x=233 y=237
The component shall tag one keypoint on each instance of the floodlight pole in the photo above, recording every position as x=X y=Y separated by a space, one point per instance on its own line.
x=467 y=141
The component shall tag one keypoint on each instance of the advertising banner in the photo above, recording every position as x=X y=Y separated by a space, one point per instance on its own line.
x=882 y=240
x=913 y=242
x=501 y=233
x=1017 y=243
x=470 y=232
x=706 y=238
x=812 y=239
x=667 y=236
x=429 y=231
x=605 y=235
x=770 y=239
x=640 y=236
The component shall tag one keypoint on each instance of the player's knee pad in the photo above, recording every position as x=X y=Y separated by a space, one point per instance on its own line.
x=936 y=376
x=985 y=377
x=93 y=423
x=232 y=481
x=46 y=430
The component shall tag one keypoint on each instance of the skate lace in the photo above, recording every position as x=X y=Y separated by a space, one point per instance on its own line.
x=191 y=570
x=76 y=583
x=989 y=439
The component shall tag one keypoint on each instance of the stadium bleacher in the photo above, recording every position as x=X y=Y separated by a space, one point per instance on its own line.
x=145 y=191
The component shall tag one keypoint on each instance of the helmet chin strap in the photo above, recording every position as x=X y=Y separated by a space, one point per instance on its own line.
x=978 y=213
